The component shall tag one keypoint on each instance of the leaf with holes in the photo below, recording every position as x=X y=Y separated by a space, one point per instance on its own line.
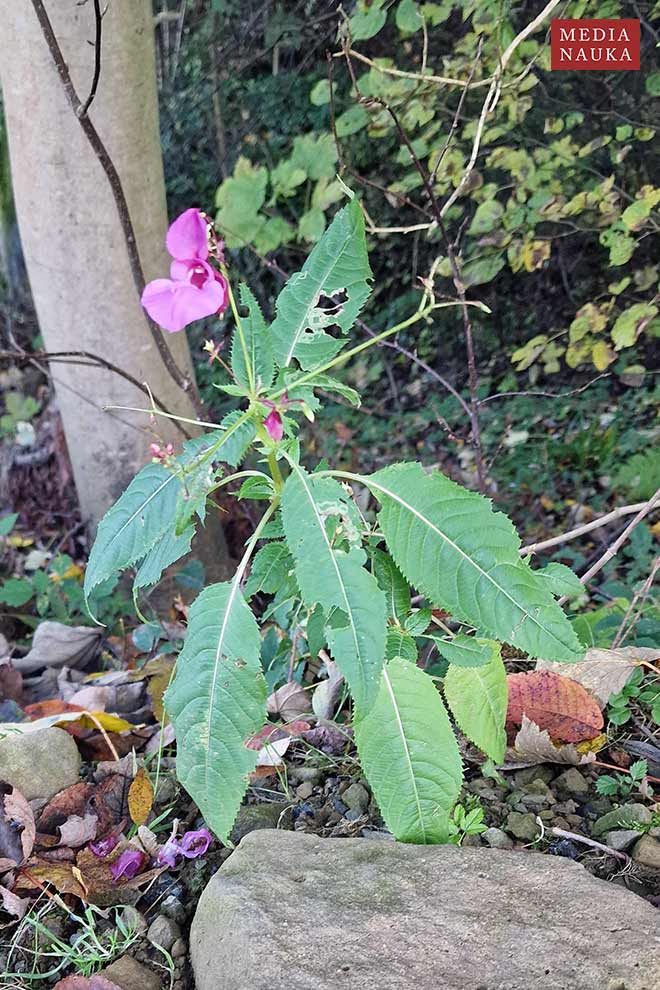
x=216 y=702
x=338 y=264
x=334 y=577
x=410 y=755
x=477 y=697
x=449 y=544
x=554 y=702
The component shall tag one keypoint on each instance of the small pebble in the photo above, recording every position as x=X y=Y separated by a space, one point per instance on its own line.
x=164 y=932
x=305 y=790
x=179 y=949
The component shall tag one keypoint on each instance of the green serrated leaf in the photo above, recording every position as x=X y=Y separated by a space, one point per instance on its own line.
x=467 y=651
x=254 y=363
x=464 y=557
x=335 y=579
x=477 y=697
x=270 y=569
x=418 y=622
x=560 y=579
x=337 y=264
x=216 y=702
x=146 y=510
x=256 y=488
x=165 y=552
x=392 y=582
x=410 y=756
x=399 y=643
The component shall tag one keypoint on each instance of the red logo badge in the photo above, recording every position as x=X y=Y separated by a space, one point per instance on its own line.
x=594 y=44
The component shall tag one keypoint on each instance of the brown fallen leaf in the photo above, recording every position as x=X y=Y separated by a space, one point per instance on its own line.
x=57 y=645
x=71 y=801
x=41 y=871
x=289 y=701
x=11 y=682
x=11 y=904
x=326 y=695
x=78 y=830
x=140 y=797
x=19 y=814
x=533 y=745
x=554 y=702
x=603 y=672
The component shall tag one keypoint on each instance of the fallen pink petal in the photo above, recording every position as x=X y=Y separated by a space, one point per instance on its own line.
x=195 y=844
x=103 y=847
x=128 y=865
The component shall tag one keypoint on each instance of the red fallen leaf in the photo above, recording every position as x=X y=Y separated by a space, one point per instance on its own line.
x=86 y=983
x=43 y=709
x=271 y=733
x=554 y=702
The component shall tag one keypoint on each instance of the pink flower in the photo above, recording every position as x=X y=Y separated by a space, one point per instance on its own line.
x=191 y=845
x=274 y=427
x=128 y=865
x=195 y=289
x=103 y=847
x=194 y=844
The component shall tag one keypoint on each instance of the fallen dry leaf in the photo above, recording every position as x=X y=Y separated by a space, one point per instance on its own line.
x=78 y=830
x=19 y=814
x=71 y=801
x=554 y=702
x=57 y=645
x=140 y=797
x=60 y=874
x=289 y=701
x=603 y=672
x=326 y=695
x=11 y=682
x=16 y=906
x=533 y=745
x=86 y=983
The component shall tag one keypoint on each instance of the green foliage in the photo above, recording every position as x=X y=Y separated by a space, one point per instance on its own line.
x=641 y=693
x=336 y=579
x=414 y=790
x=622 y=785
x=217 y=701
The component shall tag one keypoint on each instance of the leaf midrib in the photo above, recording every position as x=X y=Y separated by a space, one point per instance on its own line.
x=406 y=749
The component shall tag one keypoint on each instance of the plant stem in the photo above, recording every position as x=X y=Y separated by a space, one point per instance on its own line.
x=239 y=329
x=346 y=355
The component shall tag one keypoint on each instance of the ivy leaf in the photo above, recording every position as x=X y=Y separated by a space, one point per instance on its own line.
x=239 y=199
x=408 y=17
x=260 y=366
x=477 y=697
x=410 y=756
x=337 y=264
x=367 y=21
x=466 y=651
x=335 y=579
x=217 y=701
x=464 y=557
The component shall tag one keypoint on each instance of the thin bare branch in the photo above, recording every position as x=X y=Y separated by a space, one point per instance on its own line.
x=573 y=534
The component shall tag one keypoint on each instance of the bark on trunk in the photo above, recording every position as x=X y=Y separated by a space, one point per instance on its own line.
x=73 y=244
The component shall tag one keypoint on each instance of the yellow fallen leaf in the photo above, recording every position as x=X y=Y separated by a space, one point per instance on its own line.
x=140 y=797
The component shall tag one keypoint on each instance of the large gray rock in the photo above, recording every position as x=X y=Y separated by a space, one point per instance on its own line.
x=39 y=763
x=292 y=910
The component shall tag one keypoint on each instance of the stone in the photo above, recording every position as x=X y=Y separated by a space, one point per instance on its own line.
x=39 y=764
x=128 y=974
x=623 y=817
x=497 y=839
x=571 y=783
x=260 y=816
x=395 y=916
x=523 y=826
x=646 y=852
x=537 y=794
x=357 y=798
x=179 y=949
x=305 y=790
x=172 y=908
x=542 y=772
x=621 y=839
x=163 y=931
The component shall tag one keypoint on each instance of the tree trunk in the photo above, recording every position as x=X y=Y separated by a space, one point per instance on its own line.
x=74 y=247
